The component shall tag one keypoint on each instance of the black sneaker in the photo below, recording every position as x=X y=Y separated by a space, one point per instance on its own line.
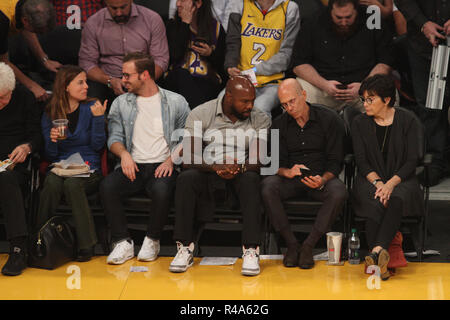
x=17 y=262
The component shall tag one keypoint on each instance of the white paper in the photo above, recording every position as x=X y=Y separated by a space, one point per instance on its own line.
x=321 y=256
x=5 y=164
x=83 y=175
x=425 y=253
x=251 y=74
x=138 y=269
x=218 y=261
x=74 y=159
x=271 y=257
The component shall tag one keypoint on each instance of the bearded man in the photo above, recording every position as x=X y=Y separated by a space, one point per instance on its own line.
x=336 y=50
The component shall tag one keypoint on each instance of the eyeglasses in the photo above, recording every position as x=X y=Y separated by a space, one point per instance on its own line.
x=126 y=76
x=368 y=100
x=288 y=104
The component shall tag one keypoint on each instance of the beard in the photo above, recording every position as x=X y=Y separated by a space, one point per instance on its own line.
x=345 y=32
x=121 y=19
x=238 y=115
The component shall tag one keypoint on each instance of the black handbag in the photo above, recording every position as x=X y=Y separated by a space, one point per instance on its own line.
x=53 y=245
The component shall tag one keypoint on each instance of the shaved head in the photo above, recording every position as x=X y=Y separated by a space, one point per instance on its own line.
x=293 y=98
x=239 y=84
x=239 y=97
x=290 y=84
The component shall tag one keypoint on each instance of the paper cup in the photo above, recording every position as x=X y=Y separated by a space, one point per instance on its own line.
x=334 y=245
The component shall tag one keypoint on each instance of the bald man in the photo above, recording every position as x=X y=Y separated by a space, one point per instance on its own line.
x=221 y=165
x=310 y=137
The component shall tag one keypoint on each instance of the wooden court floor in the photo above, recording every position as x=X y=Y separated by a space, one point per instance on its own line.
x=97 y=280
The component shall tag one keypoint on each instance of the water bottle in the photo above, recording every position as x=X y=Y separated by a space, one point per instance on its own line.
x=353 y=248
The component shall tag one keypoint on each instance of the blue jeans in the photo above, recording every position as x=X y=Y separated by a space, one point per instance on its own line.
x=267 y=98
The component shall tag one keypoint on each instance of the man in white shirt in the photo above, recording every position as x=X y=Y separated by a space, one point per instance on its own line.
x=140 y=125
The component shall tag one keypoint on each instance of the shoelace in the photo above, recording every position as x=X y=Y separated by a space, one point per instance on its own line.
x=121 y=248
x=182 y=251
x=250 y=252
x=151 y=244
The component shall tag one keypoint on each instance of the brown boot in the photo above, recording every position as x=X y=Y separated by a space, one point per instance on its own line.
x=306 y=260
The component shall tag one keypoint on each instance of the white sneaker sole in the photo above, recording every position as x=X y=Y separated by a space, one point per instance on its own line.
x=121 y=261
x=250 y=272
x=179 y=269
x=153 y=258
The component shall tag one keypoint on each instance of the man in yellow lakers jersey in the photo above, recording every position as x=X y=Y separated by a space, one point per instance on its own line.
x=260 y=38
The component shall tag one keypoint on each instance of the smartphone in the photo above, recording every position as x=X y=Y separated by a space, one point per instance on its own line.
x=341 y=86
x=198 y=41
x=305 y=173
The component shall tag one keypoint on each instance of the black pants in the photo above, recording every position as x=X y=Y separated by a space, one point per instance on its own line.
x=434 y=121
x=381 y=234
x=275 y=189
x=12 y=187
x=194 y=189
x=116 y=186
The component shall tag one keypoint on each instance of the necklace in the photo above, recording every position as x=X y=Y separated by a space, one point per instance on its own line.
x=384 y=140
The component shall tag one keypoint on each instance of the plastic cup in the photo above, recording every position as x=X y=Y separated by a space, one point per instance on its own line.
x=61 y=125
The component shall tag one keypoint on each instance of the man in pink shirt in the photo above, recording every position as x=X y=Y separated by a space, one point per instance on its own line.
x=110 y=34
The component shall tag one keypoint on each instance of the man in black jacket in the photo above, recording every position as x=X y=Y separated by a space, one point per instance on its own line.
x=20 y=134
x=428 y=23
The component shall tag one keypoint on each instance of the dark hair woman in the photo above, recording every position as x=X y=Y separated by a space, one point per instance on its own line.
x=86 y=136
x=386 y=153
x=197 y=52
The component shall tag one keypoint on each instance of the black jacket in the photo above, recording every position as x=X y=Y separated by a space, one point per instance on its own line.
x=417 y=12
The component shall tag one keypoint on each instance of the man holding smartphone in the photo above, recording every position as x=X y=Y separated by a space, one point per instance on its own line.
x=336 y=50
x=311 y=152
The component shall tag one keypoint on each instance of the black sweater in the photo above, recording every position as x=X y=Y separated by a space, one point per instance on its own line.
x=20 y=123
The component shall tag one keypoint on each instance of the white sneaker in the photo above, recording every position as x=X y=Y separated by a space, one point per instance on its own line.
x=149 y=250
x=250 y=262
x=184 y=258
x=123 y=251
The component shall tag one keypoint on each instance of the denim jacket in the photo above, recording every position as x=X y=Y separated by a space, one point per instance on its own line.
x=122 y=117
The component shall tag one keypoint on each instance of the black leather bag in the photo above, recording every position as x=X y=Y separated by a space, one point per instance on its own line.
x=53 y=245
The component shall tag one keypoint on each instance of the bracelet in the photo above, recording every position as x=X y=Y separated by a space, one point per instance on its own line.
x=243 y=168
x=109 y=82
x=44 y=59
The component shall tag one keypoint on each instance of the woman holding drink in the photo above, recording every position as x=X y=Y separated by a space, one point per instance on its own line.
x=73 y=123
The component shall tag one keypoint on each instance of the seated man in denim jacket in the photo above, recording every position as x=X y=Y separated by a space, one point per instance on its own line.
x=141 y=124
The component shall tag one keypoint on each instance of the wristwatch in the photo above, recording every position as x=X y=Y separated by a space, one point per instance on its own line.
x=44 y=59
x=374 y=182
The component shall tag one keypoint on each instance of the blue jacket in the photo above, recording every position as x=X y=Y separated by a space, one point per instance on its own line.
x=123 y=112
x=88 y=139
